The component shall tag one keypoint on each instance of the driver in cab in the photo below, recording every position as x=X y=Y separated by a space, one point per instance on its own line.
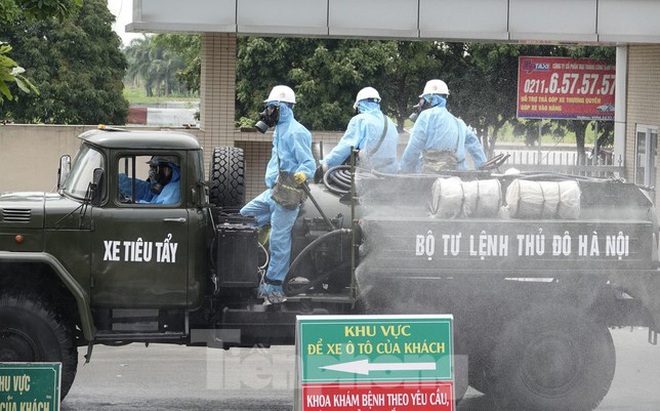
x=162 y=186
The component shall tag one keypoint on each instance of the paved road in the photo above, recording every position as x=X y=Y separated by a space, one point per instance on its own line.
x=161 y=377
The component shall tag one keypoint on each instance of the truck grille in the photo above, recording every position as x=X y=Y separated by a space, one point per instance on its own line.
x=15 y=215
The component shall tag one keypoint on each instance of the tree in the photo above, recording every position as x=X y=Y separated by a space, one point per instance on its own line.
x=11 y=72
x=329 y=78
x=75 y=63
x=579 y=127
x=15 y=10
x=263 y=63
x=487 y=93
x=154 y=62
x=408 y=69
x=188 y=49
x=327 y=74
x=138 y=60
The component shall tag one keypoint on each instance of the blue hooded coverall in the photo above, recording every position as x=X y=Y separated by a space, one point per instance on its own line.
x=292 y=142
x=363 y=133
x=437 y=129
x=171 y=193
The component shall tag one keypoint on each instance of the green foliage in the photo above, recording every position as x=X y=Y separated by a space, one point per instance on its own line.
x=158 y=62
x=188 y=48
x=75 y=63
x=43 y=9
x=245 y=123
x=606 y=128
x=410 y=67
x=263 y=63
x=12 y=72
x=328 y=79
x=10 y=12
x=327 y=74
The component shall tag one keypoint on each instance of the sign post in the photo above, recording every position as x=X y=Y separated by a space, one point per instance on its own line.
x=30 y=386
x=375 y=362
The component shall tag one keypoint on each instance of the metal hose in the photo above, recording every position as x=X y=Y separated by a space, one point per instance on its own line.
x=338 y=179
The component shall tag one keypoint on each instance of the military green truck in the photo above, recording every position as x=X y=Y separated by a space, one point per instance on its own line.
x=535 y=268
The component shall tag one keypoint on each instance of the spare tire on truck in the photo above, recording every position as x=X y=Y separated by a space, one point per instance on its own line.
x=227 y=178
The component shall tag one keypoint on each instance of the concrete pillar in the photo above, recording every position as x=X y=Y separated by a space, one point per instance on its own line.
x=620 y=106
x=218 y=90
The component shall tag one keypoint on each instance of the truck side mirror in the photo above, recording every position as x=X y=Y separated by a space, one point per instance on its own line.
x=63 y=170
x=96 y=187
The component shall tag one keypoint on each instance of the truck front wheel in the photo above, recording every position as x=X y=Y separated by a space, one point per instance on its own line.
x=552 y=358
x=30 y=332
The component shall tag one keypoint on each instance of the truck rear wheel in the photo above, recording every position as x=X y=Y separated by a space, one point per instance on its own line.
x=30 y=332
x=553 y=358
x=227 y=177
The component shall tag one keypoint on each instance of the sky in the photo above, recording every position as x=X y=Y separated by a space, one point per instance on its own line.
x=123 y=11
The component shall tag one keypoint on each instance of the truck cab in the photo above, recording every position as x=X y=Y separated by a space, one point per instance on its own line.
x=93 y=263
x=146 y=259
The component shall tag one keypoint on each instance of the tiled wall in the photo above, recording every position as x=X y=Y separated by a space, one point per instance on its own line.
x=218 y=88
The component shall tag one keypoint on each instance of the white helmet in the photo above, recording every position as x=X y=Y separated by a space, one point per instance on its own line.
x=282 y=93
x=365 y=93
x=435 y=87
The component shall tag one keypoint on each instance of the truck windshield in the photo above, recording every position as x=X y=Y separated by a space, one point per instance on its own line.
x=82 y=172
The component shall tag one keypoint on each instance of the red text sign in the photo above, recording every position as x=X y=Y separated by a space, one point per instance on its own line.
x=565 y=88
x=380 y=396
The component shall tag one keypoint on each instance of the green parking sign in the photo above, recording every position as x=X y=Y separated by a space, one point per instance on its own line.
x=30 y=386
x=375 y=348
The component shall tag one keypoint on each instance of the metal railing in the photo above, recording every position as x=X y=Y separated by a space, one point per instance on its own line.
x=561 y=161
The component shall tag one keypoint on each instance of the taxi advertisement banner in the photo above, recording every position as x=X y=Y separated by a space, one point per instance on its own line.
x=565 y=88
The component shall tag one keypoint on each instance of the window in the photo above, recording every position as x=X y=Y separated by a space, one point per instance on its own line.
x=149 y=179
x=82 y=172
x=645 y=152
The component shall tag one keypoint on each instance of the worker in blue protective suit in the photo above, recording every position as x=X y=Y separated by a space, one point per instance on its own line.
x=291 y=154
x=439 y=140
x=369 y=131
x=162 y=186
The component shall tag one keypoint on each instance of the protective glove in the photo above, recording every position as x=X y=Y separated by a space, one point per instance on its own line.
x=300 y=177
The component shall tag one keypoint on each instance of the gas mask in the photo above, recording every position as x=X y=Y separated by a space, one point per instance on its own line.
x=419 y=107
x=159 y=175
x=268 y=118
